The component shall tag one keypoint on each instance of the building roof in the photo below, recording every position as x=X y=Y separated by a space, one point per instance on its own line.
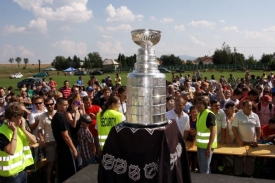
x=110 y=62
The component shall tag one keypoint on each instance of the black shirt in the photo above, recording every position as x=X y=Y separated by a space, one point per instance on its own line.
x=4 y=141
x=60 y=124
x=210 y=120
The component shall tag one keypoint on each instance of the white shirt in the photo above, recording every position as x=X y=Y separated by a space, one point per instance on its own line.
x=236 y=102
x=45 y=125
x=122 y=108
x=35 y=114
x=182 y=122
x=221 y=123
x=246 y=125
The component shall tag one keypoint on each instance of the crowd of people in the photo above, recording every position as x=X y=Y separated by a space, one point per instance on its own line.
x=222 y=111
x=72 y=122
x=63 y=121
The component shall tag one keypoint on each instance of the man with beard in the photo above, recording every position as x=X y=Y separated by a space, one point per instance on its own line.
x=47 y=139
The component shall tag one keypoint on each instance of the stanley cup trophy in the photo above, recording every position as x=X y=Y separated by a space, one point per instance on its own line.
x=146 y=86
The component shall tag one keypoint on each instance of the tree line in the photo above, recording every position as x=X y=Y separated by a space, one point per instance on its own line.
x=18 y=60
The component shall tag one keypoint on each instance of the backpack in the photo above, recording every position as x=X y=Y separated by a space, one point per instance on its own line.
x=269 y=106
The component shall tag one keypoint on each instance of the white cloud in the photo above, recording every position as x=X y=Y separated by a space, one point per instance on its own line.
x=122 y=14
x=106 y=37
x=121 y=28
x=179 y=28
x=270 y=29
x=10 y=29
x=70 y=47
x=257 y=35
x=230 y=29
x=39 y=25
x=110 y=47
x=152 y=18
x=196 y=41
x=222 y=21
x=202 y=23
x=9 y=51
x=66 y=28
x=68 y=11
x=24 y=52
x=166 y=20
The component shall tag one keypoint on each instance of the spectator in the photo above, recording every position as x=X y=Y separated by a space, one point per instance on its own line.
x=265 y=110
x=65 y=149
x=46 y=136
x=117 y=79
x=122 y=96
x=65 y=90
x=86 y=141
x=268 y=132
x=230 y=115
x=52 y=84
x=80 y=81
x=14 y=139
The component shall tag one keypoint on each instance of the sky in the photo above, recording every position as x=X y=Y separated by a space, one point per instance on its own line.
x=44 y=29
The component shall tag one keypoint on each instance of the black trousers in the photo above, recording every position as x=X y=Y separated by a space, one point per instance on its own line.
x=65 y=164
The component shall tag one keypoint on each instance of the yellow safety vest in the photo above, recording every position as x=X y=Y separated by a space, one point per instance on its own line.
x=109 y=119
x=13 y=164
x=203 y=133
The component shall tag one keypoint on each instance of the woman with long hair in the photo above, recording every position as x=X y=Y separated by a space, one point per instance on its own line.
x=108 y=118
x=72 y=115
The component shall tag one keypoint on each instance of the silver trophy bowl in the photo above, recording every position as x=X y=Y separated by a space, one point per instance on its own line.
x=146 y=86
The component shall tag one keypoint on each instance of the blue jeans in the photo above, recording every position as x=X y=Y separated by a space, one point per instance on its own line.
x=88 y=162
x=204 y=163
x=21 y=177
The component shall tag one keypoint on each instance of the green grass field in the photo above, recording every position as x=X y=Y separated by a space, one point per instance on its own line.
x=6 y=82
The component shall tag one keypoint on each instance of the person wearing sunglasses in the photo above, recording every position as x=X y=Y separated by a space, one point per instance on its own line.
x=36 y=112
x=75 y=109
x=47 y=138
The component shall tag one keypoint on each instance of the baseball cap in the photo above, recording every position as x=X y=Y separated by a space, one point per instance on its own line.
x=89 y=88
x=266 y=98
x=86 y=118
x=83 y=94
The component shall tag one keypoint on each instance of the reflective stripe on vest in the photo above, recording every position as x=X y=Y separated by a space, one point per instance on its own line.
x=8 y=158
x=203 y=133
x=14 y=165
x=103 y=137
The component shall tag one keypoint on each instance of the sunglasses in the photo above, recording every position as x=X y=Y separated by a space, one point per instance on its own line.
x=51 y=104
x=38 y=103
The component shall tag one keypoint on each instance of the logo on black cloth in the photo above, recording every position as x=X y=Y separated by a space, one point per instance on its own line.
x=134 y=172
x=175 y=156
x=120 y=166
x=150 y=170
x=108 y=161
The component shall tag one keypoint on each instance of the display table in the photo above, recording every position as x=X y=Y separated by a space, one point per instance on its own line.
x=263 y=150
x=144 y=155
x=190 y=147
x=230 y=150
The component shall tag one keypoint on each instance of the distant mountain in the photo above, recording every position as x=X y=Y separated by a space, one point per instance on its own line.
x=187 y=57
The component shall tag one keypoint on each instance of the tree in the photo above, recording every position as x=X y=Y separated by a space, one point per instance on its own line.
x=200 y=62
x=189 y=62
x=18 y=60
x=266 y=58
x=95 y=59
x=26 y=61
x=223 y=55
x=11 y=60
x=251 y=60
x=122 y=61
x=131 y=60
x=60 y=63
x=76 y=62
x=170 y=60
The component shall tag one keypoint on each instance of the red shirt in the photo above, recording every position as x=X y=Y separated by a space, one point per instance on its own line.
x=53 y=85
x=66 y=92
x=93 y=109
x=266 y=131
